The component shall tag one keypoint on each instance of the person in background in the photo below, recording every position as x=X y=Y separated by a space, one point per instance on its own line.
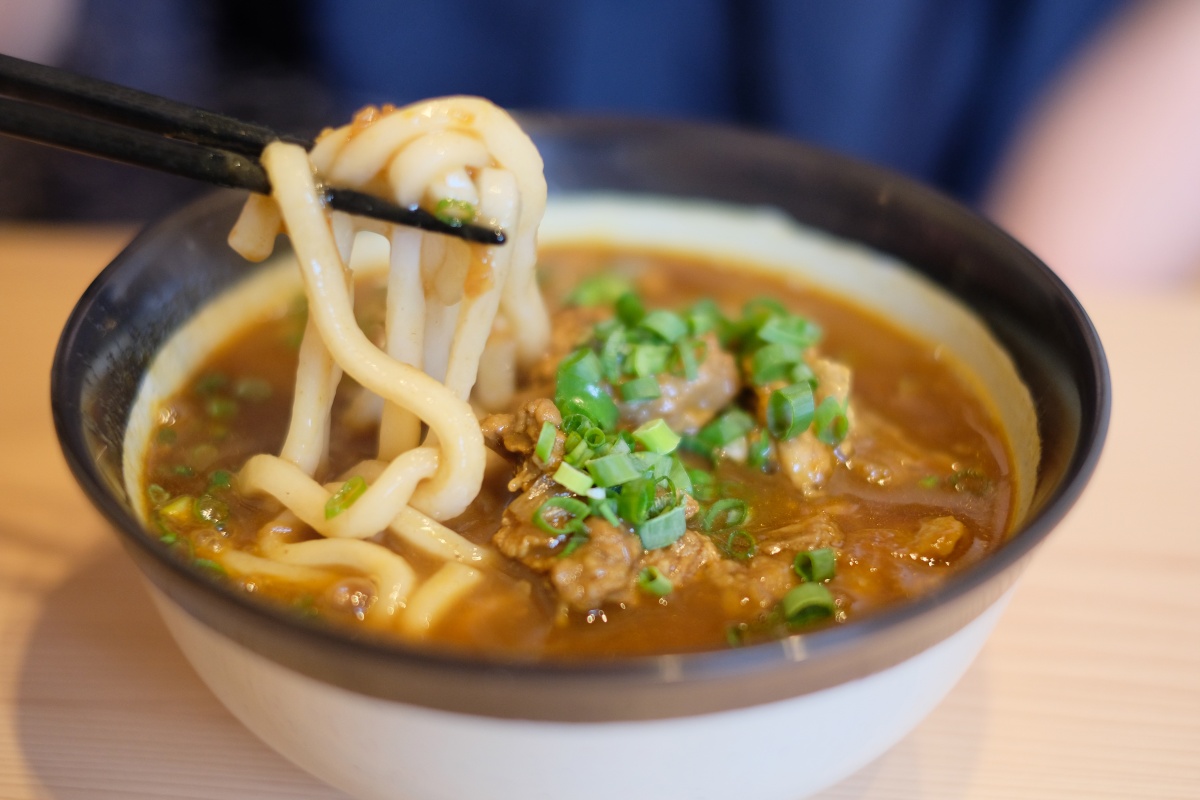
x=1070 y=123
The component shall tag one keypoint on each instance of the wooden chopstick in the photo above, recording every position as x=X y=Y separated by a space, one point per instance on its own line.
x=97 y=118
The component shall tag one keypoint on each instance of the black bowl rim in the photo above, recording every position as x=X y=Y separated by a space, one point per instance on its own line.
x=641 y=679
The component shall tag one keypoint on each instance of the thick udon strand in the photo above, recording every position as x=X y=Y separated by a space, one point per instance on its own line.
x=441 y=310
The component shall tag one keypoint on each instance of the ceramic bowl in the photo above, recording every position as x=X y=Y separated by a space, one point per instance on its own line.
x=776 y=720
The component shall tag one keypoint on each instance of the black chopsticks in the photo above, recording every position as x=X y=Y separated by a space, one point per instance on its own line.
x=58 y=108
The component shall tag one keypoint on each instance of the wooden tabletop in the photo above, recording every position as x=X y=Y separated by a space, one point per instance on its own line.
x=1089 y=688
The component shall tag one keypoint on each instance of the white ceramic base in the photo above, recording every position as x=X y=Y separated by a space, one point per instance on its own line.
x=377 y=749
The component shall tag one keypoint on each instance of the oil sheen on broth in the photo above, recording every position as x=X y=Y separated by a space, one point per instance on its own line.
x=919 y=486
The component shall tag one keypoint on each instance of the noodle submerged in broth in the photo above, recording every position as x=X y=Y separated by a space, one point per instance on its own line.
x=669 y=460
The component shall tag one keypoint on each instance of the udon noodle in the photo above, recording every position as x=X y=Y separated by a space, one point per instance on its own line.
x=447 y=303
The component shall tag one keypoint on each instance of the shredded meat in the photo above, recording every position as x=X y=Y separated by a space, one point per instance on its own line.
x=687 y=405
x=684 y=559
x=937 y=537
x=515 y=437
x=810 y=534
x=521 y=540
x=603 y=569
x=758 y=584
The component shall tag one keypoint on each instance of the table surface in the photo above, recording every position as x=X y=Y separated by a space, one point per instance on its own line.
x=1089 y=688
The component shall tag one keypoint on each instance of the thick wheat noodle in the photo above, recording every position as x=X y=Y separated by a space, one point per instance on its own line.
x=442 y=303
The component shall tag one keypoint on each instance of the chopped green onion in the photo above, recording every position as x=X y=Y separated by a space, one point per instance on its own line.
x=614 y=470
x=789 y=329
x=630 y=309
x=575 y=396
x=704 y=485
x=220 y=479
x=680 y=477
x=685 y=351
x=545 y=443
x=662 y=530
x=157 y=494
x=635 y=500
x=649 y=359
x=345 y=496
x=807 y=603
x=972 y=481
x=581 y=363
x=657 y=436
x=568 y=512
x=761 y=309
x=758 y=451
x=643 y=388
x=220 y=407
x=740 y=545
x=580 y=453
x=612 y=353
x=178 y=509
x=817 y=565
x=773 y=361
x=573 y=542
x=576 y=423
x=165 y=435
x=573 y=479
x=724 y=514
x=790 y=411
x=606 y=507
x=929 y=482
x=802 y=373
x=652 y=581
x=668 y=325
x=594 y=437
x=454 y=213
x=252 y=388
x=183 y=470
x=830 y=422
x=703 y=317
x=601 y=289
x=210 y=382
x=732 y=425
x=209 y=564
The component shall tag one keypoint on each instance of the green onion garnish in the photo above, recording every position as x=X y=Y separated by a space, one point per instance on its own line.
x=635 y=500
x=454 y=213
x=758 y=451
x=703 y=317
x=220 y=479
x=662 y=530
x=807 y=603
x=685 y=351
x=220 y=407
x=790 y=410
x=559 y=515
x=576 y=396
x=704 y=485
x=345 y=496
x=680 y=476
x=601 y=289
x=630 y=309
x=572 y=479
x=583 y=364
x=615 y=469
x=740 y=545
x=816 y=566
x=178 y=509
x=730 y=426
x=649 y=359
x=772 y=362
x=830 y=422
x=545 y=443
x=727 y=513
x=157 y=494
x=652 y=581
x=644 y=388
x=668 y=325
x=657 y=436
x=789 y=329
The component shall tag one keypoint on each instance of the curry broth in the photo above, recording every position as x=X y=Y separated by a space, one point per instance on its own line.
x=907 y=401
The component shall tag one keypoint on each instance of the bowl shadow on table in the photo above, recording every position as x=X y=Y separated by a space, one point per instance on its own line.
x=107 y=706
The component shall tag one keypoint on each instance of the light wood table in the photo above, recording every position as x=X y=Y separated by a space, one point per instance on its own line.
x=1090 y=687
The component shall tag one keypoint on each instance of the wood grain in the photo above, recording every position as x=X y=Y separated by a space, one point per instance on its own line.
x=1090 y=687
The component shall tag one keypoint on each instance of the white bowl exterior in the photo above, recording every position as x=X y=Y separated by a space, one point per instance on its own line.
x=383 y=750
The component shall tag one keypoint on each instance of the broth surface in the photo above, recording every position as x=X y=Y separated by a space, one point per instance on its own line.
x=925 y=448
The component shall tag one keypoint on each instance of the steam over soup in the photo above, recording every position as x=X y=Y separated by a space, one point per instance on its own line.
x=705 y=455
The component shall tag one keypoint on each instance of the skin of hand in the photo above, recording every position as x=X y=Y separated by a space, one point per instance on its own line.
x=1104 y=182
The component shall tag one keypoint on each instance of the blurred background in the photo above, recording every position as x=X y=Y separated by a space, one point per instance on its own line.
x=967 y=95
